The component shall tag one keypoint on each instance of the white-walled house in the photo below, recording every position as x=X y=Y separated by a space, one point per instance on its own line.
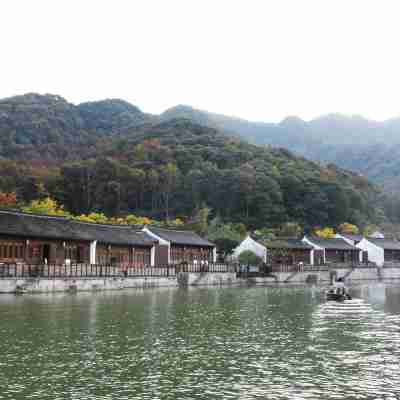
x=381 y=251
x=250 y=244
x=282 y=251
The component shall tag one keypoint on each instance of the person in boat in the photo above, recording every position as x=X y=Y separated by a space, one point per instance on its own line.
x=340 y=289
x=339 y=286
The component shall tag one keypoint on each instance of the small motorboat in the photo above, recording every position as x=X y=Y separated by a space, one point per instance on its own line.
x=332 y=296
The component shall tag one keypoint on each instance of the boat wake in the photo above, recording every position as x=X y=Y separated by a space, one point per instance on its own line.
x=346 y=306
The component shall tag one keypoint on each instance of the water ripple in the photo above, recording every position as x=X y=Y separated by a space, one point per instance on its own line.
x=232 y=343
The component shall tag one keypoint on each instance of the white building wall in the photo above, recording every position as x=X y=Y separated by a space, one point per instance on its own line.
x=93 y=246
x=160 y=241
x=315 y=247
x=252 y=245
x=214 y=254
x=375 y=253
x=153 y=235
x=153 y=256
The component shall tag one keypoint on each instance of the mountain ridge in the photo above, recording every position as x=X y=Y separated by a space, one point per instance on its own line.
x=353 y=142
x=111 y=157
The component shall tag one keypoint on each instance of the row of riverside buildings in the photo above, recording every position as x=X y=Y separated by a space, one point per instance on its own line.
x=343 y=249
x=41 y=239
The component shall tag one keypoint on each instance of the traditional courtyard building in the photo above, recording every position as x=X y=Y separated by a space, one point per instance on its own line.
x=250 y=244
x=177 y=246
x=334 y=251
x=279 y=251
x=37 y=239
x=381 y=251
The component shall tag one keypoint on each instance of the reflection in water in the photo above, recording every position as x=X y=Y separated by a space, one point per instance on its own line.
x=229 y=343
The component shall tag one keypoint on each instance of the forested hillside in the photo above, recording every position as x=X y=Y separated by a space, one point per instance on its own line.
x=109 y=156
x=368 y=147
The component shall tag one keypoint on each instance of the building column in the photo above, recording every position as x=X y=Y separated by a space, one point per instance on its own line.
x=153 y=256
x=93 y=246
x=26 y=254
x=214 y=255
x=312 y=257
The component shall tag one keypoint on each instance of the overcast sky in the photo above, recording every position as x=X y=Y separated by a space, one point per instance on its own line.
x=260 y=60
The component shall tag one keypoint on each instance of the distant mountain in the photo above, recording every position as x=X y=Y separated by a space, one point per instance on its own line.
x=112 y=116
x=369 y=147
x=48 y=127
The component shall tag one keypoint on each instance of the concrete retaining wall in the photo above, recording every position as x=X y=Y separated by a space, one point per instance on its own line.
x=324 y=277
x=360 y=274
x=39 y=285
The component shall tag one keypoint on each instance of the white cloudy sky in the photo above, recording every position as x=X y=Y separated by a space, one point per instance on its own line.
x=260 y=60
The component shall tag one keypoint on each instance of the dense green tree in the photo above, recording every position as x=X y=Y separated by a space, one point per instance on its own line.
x=248 y=257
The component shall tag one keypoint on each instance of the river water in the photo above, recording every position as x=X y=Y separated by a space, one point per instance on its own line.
x=203 y=343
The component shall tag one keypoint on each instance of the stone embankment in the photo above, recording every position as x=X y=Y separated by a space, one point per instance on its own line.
x=44 y=285
x=185 y=279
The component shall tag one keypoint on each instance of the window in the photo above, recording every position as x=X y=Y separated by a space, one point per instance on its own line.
x=11 y=251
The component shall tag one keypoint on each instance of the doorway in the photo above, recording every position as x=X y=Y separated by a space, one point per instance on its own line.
x=79 y=254
x=46 y=254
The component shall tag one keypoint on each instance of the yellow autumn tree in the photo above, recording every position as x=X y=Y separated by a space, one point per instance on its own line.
x=175 y=223
x=46 y=206
x=369 y=229
x=348 y=228
x=325 y=233
x=133 y=219
x=97 y=218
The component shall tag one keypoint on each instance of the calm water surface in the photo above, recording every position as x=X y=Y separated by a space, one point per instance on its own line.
x=217 y=343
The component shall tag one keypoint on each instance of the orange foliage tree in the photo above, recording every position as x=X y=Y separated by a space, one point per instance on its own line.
x=8 y=199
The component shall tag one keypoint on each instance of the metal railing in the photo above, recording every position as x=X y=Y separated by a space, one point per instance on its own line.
x=58 y=271
x=202 y=268
x=21 y=270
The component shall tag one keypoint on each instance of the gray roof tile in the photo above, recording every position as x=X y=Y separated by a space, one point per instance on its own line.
x=386 y=244
x=331 y=244
x=188 y=238
x=295 y=244
x=50 y=227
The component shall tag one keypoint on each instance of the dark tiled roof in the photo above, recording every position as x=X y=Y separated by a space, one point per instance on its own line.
x=295 y=244
x=188 y=238
x=49 y=227
x=356 y=238
x=331 y=244
x=385 y=244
